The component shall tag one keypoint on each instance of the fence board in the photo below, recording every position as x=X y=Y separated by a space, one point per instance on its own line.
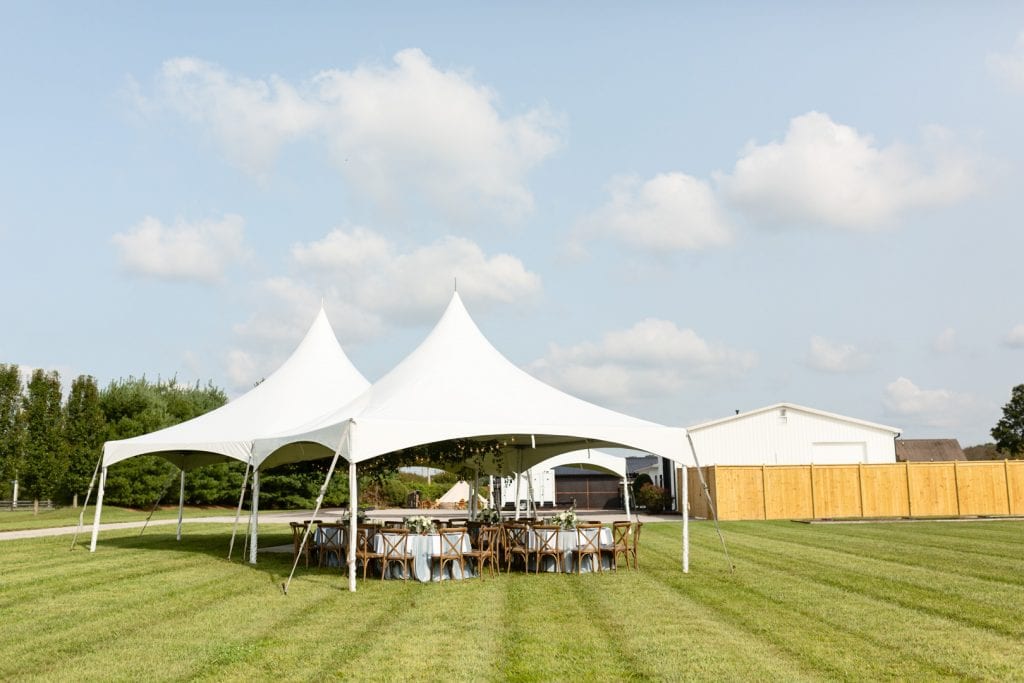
x=1015 y=485
x=933 y=489
x=787 y=492
x=836 y=491
x=981 y=488
x=740 y=493
x=885 y=490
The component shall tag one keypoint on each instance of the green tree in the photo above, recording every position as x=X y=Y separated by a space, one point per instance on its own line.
x=11 y=425
x=85 y=429
x=135 y=406
x=45 y=462
x=1009 y=431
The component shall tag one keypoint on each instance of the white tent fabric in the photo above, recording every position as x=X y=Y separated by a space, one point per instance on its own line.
x=317 y=378
x=459 y=492
x=457 y=385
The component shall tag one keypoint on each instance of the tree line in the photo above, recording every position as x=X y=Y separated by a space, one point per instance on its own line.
x=51 y=447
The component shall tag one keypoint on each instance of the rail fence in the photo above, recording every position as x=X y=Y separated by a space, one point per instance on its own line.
x=912 y=489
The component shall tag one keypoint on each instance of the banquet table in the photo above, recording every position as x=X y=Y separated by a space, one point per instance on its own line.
x=567 y=542
x=424 y=567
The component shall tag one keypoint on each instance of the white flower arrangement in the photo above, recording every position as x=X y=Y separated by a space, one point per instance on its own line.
x=488 y=516
x=419 y=524
x=566 y=518
x=360 y=515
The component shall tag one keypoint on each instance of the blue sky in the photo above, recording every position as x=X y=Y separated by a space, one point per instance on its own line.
x=672 y=211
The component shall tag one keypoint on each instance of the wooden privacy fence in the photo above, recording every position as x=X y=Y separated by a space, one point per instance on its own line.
x=912 y=489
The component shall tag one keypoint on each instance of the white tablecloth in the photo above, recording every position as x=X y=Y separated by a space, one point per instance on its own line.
x=424 y=567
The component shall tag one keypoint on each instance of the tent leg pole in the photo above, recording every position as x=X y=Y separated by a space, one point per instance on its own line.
x=625 y=493
x=88 y=493
x=99 y=510
x=519 y=479
x=238 y=512
x=181 y=503
x=353 y=510
x=254 y=516
x=685 y=497
x=711 y=504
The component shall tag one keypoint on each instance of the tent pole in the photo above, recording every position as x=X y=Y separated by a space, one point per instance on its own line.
x=99 y=510
x=353 y=509
x=181 y=503
x=81 y=515
x=238 y=512
x=316 y=511
x=476 y=485
x=531 y=505
x=625 y=493
x=711 y=504
x=254 y=516
x=519 y=479
x=685 y=497
x=490 y=491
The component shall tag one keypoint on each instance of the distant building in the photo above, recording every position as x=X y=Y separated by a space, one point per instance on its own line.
x=928 y=450
x=789 y=434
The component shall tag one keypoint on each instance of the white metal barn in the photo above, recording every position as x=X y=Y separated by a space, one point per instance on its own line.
x=788 y=434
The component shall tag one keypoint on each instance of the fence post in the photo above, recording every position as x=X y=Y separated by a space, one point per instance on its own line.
x=860 y=485
x=814 y=507
x=956 y=485
x=1009 y=498
x=764 y=493
x=910 y=508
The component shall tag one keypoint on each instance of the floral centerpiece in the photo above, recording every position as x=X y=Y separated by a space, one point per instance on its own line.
x=360 y=515
x=418 y=524
x=489 y=516
x=566 y=518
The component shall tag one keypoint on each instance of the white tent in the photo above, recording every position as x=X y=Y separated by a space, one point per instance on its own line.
x=459 y=493
x=316 y=379
x=456 y=385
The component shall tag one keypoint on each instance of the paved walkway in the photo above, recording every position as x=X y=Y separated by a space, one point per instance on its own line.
x=275 y=517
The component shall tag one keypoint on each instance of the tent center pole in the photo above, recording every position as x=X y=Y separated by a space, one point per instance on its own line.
x=99 y=511
x=254 y=516
x=685 y=498
x=181 y=503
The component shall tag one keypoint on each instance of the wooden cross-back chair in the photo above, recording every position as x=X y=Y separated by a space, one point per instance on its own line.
x=588 y=544
x=485 y=550
x=298 y=531
x=548 y=544
x=395 y=551
x=622 y=539
x=452 y=544
x=365 y=552
x=331 y=543
x=517 y=545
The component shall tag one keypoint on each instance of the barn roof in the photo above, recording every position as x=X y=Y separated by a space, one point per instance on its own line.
x=928 y=450
x=793 y=406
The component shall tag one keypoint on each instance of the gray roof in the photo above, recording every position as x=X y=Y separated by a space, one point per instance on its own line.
x=928 y=450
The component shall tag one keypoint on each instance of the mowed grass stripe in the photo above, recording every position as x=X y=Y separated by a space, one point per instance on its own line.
x=858 y=604
x=874 y=580
x=1001 y=551
x=833 y=633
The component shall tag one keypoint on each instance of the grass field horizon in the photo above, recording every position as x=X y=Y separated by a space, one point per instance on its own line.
x=922 y=601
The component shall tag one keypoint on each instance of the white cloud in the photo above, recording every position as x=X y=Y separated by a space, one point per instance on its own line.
x=1009 y=66
x=669 y=211
x=652 y=358
x=931 y=407
x=945 y=342
x=401 y=135
x=827 y=173
x=200 y=251
x=368 y=284
x=241 y=368
x=828 y=356
x=1015 y=338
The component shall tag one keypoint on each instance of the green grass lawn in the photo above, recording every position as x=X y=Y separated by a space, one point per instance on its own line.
x=922 y=601
x=16 y=520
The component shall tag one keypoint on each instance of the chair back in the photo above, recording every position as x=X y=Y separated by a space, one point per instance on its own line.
x=364 y=534
x=547 y=537
x=487 y=538
x=332 y=534
x=517 y=537
x=453 y=541
x=620 y=534
x=636 y=536
x=395 y=542
x=588 y=538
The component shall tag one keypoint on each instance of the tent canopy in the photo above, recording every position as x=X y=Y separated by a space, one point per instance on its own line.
x=456 y=385
x=317 y=378
x=598 y=461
